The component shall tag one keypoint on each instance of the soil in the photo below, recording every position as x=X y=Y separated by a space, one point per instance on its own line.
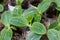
x=48 y=16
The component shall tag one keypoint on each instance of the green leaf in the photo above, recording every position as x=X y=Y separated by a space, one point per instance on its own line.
x=58 y=27
x=37 y=18
x=19 y=21
x=58 y=19
x=19 y=1
x=6 y=34
x=44 y=5
x=6 y=16
x=55 y=26
x=30 y=18
x=1 y=8
x=17 y=11
x=52 y=25
x=58 y=8
x=38 y=28
x=53 y=34
x=33 y=36
x=58 y=4
x=59 y=35
x=55 y=1
x=29 y=14
x=29 y=11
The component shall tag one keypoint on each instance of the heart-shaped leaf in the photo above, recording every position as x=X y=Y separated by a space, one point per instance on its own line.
x=6 y=16
x=38 y=28
x=6 y=34
x=17 y=11
x=19 y=21
x=1 y=8
x=44 y=5
x=33 y=36
x=53 y=34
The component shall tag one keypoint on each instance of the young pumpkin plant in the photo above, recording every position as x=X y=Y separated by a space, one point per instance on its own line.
x=53 y=32
x=19 y=18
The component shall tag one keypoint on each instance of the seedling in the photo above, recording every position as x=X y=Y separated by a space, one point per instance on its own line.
x=23 y=19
